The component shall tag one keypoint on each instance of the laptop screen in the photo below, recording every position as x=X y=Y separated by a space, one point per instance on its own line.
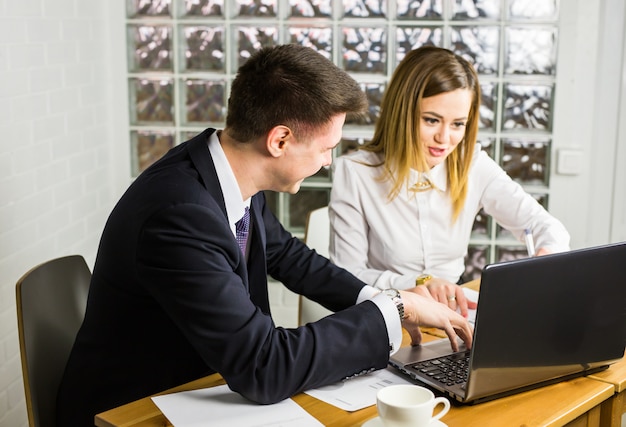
x=560 y=309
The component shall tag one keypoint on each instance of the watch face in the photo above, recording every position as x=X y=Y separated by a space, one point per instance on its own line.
x=391 y=292
x=394 y=294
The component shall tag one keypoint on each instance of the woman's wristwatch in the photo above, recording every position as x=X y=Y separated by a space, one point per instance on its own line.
x=422 y=279
x=394 y=294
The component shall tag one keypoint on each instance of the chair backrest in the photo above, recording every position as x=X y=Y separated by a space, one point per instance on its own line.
x=51 y=302
x=317 y=231
x=316 y=236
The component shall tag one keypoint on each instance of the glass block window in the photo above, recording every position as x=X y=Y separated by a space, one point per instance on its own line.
x=183 y=54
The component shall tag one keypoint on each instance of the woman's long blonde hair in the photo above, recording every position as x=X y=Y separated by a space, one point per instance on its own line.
x=424 y=72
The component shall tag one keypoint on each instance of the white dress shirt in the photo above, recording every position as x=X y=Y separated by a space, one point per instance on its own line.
x=235 y=205
x=389 y=243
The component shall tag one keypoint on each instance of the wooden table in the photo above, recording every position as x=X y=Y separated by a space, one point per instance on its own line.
x=614 y=409
x=574 y=403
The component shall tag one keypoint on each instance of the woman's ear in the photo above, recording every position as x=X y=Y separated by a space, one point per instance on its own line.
x=277 y=140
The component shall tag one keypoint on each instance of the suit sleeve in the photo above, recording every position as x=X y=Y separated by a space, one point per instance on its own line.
x=304 y=271
x=189 y=261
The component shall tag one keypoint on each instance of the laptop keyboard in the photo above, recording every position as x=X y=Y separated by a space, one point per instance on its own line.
x=447 y=370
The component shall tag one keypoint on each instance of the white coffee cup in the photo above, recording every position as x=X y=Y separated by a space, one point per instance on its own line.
x=407 y=405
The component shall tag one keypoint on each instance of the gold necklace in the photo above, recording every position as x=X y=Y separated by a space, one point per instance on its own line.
x=423 y=184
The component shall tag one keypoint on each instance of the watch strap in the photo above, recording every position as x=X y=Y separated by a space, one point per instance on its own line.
x=422 y=279
x=396 y=298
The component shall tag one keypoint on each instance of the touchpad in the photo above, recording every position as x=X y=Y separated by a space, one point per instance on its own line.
x=430 y=350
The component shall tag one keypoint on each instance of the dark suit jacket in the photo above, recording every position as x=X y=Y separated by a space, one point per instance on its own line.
x=171 y=300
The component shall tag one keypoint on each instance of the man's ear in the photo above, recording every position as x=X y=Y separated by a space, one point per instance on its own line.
x=277 y=140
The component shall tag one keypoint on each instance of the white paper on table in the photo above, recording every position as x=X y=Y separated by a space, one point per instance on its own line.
x=219 y=406
x=471 y=295
x=359 y=392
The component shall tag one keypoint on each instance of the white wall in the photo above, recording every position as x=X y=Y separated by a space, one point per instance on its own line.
x=606 y=195
x=590 y=79
x=618 y=221
x=56 y=168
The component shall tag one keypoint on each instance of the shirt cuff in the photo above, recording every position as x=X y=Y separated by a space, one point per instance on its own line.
x=367 y=292
x=390 y=313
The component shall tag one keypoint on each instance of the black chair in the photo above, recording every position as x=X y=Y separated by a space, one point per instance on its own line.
x=51 y=301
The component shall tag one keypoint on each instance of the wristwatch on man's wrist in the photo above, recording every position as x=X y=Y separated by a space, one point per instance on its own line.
x=422 y=279
x=394 y=294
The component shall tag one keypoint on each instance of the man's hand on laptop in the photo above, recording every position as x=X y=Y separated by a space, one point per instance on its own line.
x=426 y=311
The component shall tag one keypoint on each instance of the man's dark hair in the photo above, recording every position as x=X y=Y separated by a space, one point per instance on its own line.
x=289 y=85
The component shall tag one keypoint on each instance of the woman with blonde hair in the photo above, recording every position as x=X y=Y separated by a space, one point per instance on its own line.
x=403 y=205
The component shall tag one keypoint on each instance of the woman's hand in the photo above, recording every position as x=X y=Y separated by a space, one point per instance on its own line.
x=446 y=293
x=543 y=251
x=425 y=311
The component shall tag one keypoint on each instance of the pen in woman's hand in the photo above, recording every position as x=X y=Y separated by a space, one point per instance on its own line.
x=530 y=244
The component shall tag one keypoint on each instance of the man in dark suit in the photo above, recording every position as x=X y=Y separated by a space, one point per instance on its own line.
x=173 y=296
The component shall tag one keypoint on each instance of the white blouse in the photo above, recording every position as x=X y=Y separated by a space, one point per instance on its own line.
x=389 y=243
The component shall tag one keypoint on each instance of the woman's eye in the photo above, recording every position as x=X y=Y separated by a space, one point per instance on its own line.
x=459 y=124
x=430 y=120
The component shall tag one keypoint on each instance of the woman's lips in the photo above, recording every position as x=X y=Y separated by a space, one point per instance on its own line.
x=436 y=152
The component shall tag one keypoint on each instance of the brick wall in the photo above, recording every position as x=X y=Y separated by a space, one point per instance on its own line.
x=62 y=122
x=56 y=174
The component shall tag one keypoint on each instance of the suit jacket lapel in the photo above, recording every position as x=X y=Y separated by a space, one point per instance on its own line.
x=201 y=158
x=257 y=264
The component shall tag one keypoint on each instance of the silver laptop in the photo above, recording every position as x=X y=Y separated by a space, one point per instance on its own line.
x=539 y=321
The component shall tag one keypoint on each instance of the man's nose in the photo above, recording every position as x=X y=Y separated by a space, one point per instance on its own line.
x=328 y=160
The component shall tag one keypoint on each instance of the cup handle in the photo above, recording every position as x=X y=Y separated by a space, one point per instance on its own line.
x=446 y=407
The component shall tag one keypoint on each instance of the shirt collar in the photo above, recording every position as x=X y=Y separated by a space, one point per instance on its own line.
x=235 y=205
x=437 y=177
